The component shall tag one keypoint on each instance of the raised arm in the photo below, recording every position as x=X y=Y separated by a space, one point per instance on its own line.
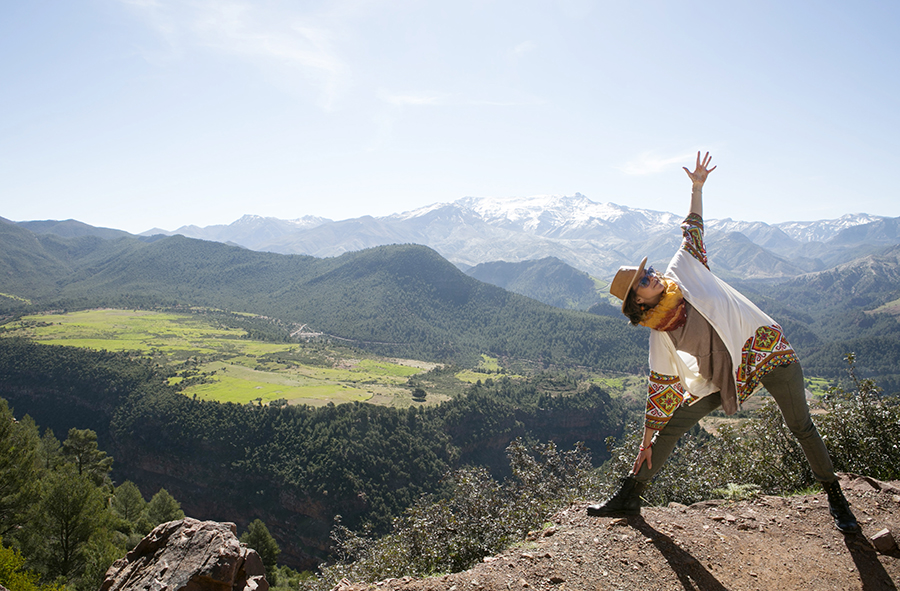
x=698 y=177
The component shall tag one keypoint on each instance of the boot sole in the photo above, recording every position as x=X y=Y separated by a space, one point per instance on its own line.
x=596 y=513
x=848 y=531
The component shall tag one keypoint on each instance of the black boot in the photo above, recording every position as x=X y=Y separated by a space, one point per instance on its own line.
x=626 y=501
x=840 y=508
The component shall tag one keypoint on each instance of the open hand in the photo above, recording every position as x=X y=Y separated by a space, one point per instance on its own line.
x=645 y=455
x=698 y=177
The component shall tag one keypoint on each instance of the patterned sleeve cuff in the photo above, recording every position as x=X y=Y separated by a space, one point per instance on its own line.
x=695 y=219
x=664 y=395
x=692 y=230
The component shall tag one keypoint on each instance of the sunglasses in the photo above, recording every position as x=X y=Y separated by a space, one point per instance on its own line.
x=645 y=280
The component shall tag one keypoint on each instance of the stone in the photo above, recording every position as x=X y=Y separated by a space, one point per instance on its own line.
x=188 y=555
x=884 y=541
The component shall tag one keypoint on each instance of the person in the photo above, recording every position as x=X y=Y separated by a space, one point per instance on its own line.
x=709 y=347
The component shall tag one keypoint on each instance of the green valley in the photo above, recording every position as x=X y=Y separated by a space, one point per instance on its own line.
x=221 y=363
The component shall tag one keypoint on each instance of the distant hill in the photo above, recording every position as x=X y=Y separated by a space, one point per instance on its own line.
x=399 y=300
x=35 y=265
x=251 y=231
x=547 y=280
x=71 y=229
x=834 y=312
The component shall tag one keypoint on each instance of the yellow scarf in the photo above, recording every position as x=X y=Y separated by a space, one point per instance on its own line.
x=670 y=312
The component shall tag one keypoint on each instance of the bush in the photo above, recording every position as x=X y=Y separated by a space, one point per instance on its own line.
x=862 y=428
x=479 y=517
x=13 y=574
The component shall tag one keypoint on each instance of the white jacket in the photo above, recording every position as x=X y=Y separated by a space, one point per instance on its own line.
x=735 y=318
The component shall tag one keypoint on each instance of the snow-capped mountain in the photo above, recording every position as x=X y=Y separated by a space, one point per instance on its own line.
x=824 y=230
x=594 y=237
x=562 y=216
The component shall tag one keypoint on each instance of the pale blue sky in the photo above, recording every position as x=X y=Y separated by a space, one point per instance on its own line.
x=140 y=113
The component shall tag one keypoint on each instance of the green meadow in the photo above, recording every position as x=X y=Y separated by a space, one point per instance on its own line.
x=220 y=363
x=623 y=385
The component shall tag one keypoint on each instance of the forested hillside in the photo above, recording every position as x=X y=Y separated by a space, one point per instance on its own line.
x=406 y=300
x=547 y=280
x=294 y=467
x=842 y=310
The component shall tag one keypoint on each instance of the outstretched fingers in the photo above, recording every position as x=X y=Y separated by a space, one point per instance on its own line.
x=702 y=169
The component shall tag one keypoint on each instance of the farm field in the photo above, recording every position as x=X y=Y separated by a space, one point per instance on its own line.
x=220 y=363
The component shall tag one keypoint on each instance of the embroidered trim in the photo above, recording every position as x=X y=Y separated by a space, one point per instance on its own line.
x=664 y=395
x=692 y=229
x=767 y=349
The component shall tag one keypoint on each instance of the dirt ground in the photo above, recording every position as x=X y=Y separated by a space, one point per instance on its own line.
x=769 y=543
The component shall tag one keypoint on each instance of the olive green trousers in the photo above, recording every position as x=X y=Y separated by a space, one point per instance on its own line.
x=785 y=384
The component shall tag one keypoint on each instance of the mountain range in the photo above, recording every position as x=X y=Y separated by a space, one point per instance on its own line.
x=396 y=299
x=408 y=300
x=592 y=237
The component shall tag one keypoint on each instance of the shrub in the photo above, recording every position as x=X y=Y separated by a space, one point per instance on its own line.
x=479 y=517
x=862 y=427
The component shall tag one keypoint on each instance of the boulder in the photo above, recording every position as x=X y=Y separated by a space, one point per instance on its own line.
x=189 y=555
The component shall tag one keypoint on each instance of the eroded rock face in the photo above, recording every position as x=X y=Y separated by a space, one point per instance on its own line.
x=188 y=555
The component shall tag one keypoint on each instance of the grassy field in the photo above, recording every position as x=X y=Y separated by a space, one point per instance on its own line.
x=222 y=364
x=488 y=367
x=818 y=387
x=888 y=308
x=623 y=385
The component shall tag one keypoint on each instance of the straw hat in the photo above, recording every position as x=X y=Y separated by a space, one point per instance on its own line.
x=625 y=280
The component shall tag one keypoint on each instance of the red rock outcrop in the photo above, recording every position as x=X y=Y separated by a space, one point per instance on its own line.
x=188 y=555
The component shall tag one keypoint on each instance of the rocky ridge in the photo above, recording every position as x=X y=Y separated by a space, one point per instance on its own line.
x=761 y=544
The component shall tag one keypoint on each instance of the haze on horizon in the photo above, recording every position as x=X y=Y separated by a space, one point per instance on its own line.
x=134 y=114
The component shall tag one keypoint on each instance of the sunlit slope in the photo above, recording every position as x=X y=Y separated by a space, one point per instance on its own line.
x=220 y=363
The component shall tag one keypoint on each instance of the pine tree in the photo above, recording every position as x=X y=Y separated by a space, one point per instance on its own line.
x=128 y=503
x=18 y=468
x=81 y=449
x=70 y=511
x=258 y=537
x=163 y=507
